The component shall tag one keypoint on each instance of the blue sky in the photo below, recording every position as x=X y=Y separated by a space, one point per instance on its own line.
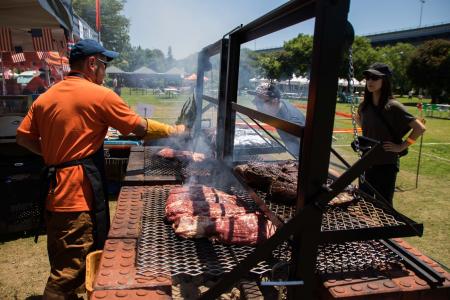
x=189 y=25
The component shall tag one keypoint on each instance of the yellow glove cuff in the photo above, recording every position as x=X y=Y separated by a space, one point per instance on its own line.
x=157 y=130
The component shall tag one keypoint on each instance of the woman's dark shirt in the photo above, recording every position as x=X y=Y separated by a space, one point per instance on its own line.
x=375 y=128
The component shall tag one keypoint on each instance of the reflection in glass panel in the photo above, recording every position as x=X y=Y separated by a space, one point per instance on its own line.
x=275 y=80
x=256 y=141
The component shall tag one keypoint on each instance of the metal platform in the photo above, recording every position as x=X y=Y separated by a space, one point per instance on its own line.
x=160 y=251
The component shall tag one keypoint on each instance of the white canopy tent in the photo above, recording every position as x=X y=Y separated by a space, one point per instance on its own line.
x=114 y=70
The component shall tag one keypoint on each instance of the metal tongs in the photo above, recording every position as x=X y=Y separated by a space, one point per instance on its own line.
x=188 y=113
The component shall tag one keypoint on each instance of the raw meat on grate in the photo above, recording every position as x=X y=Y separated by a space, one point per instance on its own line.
x=170 y=153
x=247 y=229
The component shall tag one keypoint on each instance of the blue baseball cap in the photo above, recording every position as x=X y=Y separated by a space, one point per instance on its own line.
x=87 y=47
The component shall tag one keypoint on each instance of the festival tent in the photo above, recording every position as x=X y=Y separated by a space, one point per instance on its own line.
x=175 y=71
x=299 y=80
x=144 y=70
x=114 y=70
x=356 y=83
x=36 y=14
x=193 y=77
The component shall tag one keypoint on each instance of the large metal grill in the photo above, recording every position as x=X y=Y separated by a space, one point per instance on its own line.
x=161 y=252
x=155 y=165
x=356 y=257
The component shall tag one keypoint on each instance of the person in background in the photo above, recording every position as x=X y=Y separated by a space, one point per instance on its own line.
x=268 y=100
x=116 y=86
x=37 y=85
x=67 y=126
x=384 y=119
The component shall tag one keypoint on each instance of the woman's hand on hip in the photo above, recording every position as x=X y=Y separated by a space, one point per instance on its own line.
x=393 y=147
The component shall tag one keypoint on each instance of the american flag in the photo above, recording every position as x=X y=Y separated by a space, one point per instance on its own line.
x=66 y=68
x=5 y=40
x=43 y=55
x=42 y=39
x=17 y=55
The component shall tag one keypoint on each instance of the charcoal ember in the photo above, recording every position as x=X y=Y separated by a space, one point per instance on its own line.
x=246 y=229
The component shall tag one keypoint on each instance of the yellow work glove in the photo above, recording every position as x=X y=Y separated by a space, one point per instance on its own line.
x=157 y=129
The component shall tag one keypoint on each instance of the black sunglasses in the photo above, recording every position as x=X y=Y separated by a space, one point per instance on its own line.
x=105 y=63
x=372 y=77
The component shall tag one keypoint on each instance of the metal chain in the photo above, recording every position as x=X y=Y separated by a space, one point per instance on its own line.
x=354 y=104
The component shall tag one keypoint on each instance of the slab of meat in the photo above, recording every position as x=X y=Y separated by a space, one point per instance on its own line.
x=169 y=153
x=198 y=192
x=279 y=180
x=341 y=199
x=247 y=229
x=184 y=207
x=200 y=211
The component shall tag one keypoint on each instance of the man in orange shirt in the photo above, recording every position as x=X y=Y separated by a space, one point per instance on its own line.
x=67 y=125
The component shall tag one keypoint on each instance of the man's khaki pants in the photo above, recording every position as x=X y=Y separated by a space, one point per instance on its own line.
x=69 y=240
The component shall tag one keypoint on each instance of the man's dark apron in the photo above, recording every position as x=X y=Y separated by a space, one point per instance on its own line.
x=94 y=168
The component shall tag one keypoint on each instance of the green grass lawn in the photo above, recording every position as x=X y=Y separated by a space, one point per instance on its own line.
x=429 y=203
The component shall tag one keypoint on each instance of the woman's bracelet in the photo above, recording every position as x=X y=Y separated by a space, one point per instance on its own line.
x=410 y=141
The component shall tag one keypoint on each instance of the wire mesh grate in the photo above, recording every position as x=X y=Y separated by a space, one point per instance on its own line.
x=158 y=166
x=161 y=252
x=360 y=213
x=357 y=256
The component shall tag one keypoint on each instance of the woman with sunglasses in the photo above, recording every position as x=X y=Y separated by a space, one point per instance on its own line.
x=386 y=120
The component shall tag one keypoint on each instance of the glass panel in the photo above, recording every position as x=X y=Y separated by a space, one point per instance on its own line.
x=274 y=79
x=257 y=141
x=211 y=78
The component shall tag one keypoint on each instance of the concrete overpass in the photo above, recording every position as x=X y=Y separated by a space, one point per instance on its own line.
x=414 y=36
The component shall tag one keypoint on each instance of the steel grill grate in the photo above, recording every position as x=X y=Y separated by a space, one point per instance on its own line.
x=356 y=257
x=158 y=166
x=361 y=213
x=161 y=252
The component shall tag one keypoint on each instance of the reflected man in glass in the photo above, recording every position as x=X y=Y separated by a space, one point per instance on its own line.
x=268 y=100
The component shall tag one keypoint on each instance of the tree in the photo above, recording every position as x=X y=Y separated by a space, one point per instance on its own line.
x=429 y=68
x=269 y=65
x=363 y=56
x=299 y=51
x=398 y=57
x=115 y=26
